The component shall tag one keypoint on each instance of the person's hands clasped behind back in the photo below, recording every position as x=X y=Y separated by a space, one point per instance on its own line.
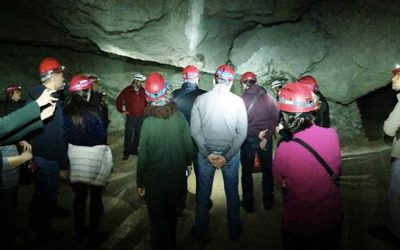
x=217 y=161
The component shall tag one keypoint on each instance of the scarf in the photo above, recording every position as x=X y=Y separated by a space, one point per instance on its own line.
x=163 y=112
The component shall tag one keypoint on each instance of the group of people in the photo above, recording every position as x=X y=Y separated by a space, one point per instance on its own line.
x=217 y=130
x=57 y=139
x=169 y=131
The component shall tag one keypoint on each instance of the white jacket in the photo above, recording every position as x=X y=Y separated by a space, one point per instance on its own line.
x=219 y=122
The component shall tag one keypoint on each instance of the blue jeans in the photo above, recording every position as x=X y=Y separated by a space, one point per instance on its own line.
x=205 y=178
x=45 y=194
x=249 y=148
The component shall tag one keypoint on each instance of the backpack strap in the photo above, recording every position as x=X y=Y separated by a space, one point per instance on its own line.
x=334 y=177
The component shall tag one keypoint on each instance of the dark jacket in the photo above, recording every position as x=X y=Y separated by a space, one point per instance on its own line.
x=322 y=118
x=165 y=151
x=96 y=99
x=49 y=142
x=93 y=132
x=264 y=114
x=185 y=97
x=10 y=106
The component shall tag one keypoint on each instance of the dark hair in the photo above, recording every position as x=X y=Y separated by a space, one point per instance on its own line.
x=221 y=80
x=299 y=121
x=77 y=105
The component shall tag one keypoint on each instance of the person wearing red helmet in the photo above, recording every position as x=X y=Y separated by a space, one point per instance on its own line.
x=164 y=153
x=86 y=134
x=184 y=98
x=391 y=231
x=262 y=114
x=306 y=168
x=98 y=98
x=322 y=117
x=13 y=101
x=51 y=161
x=131 y=102
x=219 y=127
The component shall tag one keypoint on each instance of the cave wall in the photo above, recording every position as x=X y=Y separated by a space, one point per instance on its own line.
x=347 y=45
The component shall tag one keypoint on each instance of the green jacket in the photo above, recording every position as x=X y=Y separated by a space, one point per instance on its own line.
x=165 y=150
x=19 y=123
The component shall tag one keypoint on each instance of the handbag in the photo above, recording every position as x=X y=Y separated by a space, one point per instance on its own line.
x=334 y=177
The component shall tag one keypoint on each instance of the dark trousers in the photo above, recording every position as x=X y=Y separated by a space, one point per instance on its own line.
x=163 y=223
x=8 y=207
x=44 y=196
x=328 y=240
x=133 y=125
x=96 y=207
x=248 y=150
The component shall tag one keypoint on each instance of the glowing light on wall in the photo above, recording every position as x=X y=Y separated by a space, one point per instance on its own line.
x=192 y=30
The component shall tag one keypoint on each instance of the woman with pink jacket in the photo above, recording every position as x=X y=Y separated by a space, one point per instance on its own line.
x=313 y=211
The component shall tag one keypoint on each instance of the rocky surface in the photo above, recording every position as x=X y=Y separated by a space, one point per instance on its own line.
x=346 y=45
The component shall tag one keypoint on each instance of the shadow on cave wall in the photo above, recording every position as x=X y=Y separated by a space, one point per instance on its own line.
x=375 y=107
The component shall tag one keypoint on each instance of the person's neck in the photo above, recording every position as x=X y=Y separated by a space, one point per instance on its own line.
x=50 y=85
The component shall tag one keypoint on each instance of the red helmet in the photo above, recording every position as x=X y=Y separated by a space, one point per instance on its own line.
x=155 y=86
x=12 y=88
x=190 y=72
x=48 y=66
x=310 y=82
x=226 y=72
x=248 y=76
x=80 y=82
x=296 y=98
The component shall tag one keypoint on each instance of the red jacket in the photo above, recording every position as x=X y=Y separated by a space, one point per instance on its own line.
x=135 y=101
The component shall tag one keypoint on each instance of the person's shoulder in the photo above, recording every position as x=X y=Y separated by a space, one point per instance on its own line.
x=35 y=91
x=176 y=92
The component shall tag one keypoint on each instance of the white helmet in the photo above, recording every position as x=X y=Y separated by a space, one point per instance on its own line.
x=139 y=77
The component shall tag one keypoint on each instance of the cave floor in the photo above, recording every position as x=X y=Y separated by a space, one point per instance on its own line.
x=365 y=177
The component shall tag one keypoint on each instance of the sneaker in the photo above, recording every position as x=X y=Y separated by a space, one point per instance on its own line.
x=247 y=207
x=269 y=203
x=125 y=157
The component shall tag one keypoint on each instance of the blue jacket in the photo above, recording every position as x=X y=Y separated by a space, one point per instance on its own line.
x=49 y=142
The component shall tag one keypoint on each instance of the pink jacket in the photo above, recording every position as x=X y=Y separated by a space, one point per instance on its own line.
x=313 y=202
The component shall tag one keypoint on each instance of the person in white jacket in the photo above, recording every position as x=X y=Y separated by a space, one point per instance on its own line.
x=219 y=127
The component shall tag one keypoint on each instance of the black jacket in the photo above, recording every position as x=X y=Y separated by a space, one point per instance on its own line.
x=184 y=98
x=322 y=118
x=49 y=141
